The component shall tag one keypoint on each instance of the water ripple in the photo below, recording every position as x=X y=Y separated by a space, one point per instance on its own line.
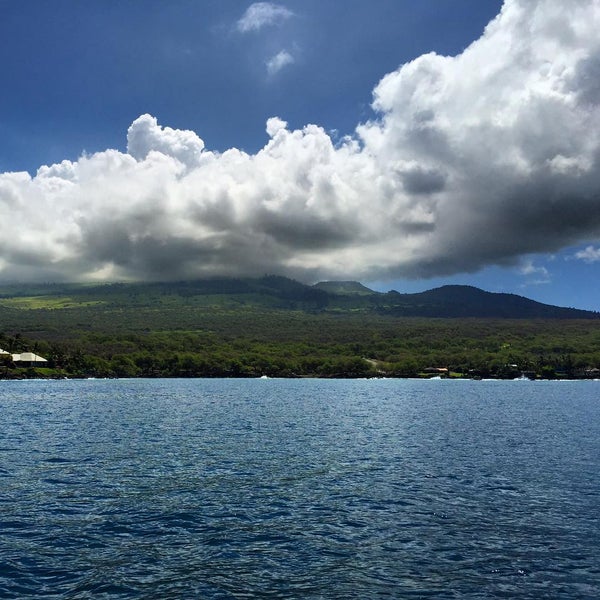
x=299 y=489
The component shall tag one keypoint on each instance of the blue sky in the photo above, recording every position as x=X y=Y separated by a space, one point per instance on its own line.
x=78 y=73
x=199 y=186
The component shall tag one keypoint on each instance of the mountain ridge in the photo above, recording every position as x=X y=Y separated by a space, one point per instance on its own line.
x=344 y=288
x=278 y=292
x=469 y=301
x=455 y=300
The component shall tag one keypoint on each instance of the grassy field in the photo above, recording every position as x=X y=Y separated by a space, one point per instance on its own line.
x=48 y=302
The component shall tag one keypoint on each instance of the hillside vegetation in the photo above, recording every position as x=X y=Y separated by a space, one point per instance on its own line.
x=278 y=327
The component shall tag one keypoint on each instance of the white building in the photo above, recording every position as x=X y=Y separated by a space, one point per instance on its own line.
x=25 y=359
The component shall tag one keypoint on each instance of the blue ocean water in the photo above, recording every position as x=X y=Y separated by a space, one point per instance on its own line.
x=299 y=489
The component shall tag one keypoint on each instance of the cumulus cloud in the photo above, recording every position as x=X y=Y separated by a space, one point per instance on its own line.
x=589 y=254
x=145 y=135
x=469 y=161
x=277 y=62
x=262 y=14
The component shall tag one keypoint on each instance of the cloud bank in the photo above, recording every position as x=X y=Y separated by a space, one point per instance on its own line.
x=469 y=161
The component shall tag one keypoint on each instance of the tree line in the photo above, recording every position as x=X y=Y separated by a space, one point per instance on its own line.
x=300 y=345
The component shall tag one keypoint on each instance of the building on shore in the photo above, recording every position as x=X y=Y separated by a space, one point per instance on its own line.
x=24 y=359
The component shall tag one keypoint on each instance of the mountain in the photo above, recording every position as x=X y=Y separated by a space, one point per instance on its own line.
x=452 y=301
x=272 y=325
x=273 y=292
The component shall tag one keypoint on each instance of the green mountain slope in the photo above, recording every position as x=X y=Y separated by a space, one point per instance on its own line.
x=276 y=326
x=453 y=301
x=275 y=292
x=344 y=288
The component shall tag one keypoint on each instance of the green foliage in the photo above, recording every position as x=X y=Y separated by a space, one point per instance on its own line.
x=273 y=326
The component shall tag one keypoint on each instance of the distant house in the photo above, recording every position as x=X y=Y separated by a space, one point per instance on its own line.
x=28 y=359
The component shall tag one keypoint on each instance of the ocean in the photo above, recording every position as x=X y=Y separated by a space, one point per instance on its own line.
x=273 y=488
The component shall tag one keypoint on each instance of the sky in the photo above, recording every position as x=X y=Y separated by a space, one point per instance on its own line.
x=406 y=145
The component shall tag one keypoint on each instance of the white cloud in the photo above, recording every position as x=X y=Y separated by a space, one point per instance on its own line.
x=277 y=62
x=274 y=125
x=472 y=160
x=145 y=136
x=262 y=14
x=541 y=274
x=528 y=268
x=589 y=254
